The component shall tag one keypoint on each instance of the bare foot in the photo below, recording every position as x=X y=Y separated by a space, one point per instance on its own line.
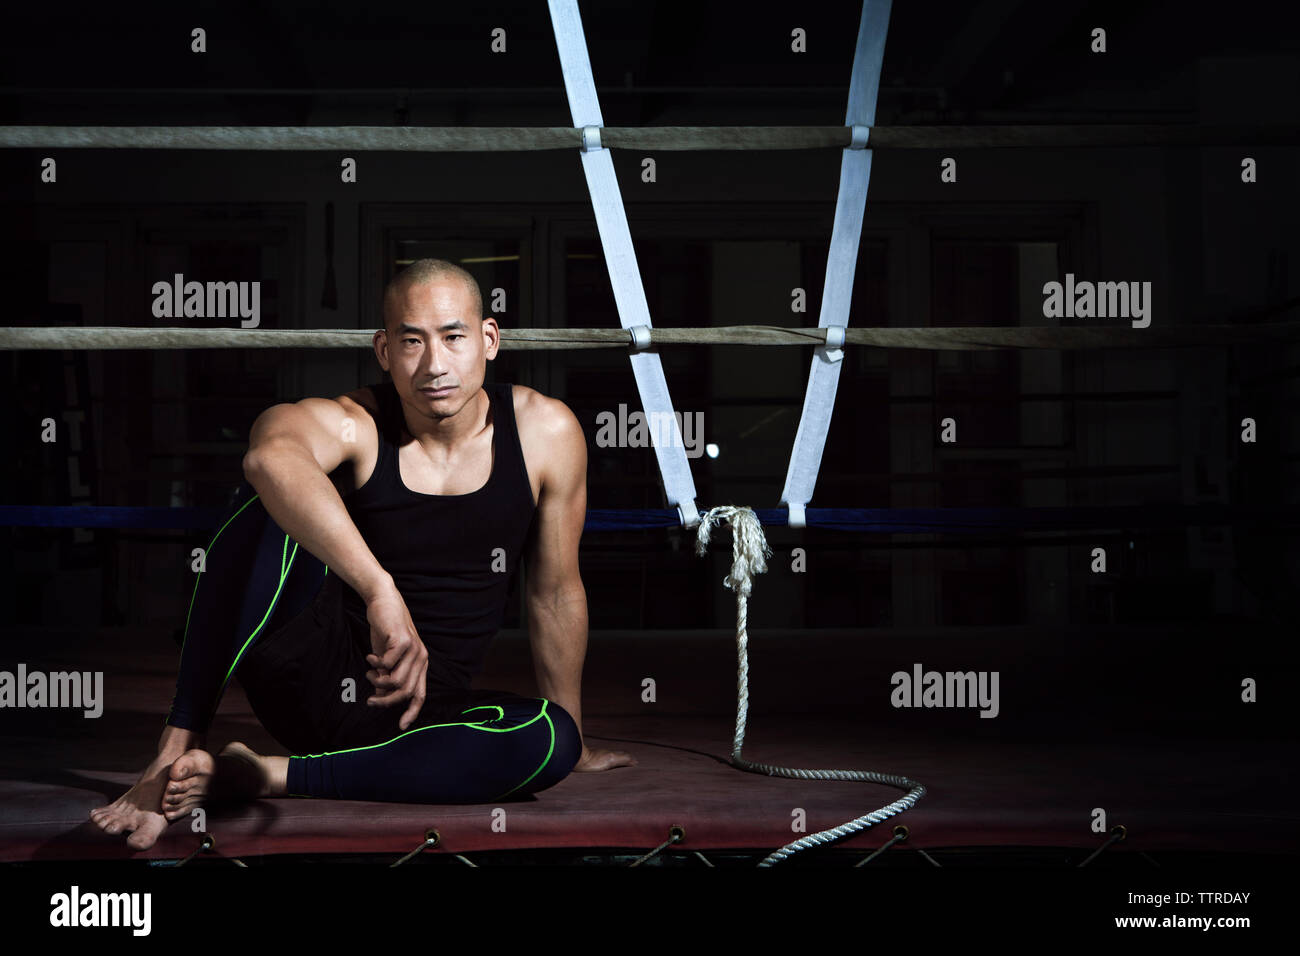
x=189 y=782
x=139 y=810
x=237 y=775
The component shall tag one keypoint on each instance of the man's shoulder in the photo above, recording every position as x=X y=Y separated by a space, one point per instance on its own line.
x=551 y=437
x=536 y=413
x=363 y=397
x=362 y=408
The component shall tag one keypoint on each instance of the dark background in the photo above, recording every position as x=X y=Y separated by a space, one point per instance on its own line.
x=721 y=238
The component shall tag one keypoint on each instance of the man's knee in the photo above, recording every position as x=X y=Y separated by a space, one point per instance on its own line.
x=567 y=744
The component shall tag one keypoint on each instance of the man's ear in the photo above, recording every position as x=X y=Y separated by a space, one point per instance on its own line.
x=493 y=334
x=380 y=341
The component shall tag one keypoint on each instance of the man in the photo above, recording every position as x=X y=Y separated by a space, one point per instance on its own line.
x=417 y=499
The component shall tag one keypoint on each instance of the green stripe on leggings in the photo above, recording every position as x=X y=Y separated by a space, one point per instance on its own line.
x=477 y=725
x=286 y=562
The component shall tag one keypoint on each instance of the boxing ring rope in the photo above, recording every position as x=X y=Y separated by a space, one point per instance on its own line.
x=857 y=138
x=509 y=139
x=749 y=551
x=892 y=521
x=841 y=263
x=957 y=338
x=620 y=254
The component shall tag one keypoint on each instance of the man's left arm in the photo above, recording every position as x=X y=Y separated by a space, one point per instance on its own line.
x=555 y=596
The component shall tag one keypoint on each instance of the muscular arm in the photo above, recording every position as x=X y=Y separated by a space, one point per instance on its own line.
x=292 y=449
x=555 y=597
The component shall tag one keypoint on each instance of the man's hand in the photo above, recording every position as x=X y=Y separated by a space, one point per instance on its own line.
x=400 y=659
x=593 y=760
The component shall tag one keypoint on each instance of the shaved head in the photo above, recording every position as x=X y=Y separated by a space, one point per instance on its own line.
x=422 y=271
x=436 y=343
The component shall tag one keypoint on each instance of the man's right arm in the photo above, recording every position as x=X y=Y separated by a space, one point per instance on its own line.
x=291 y=452
x=292 y=449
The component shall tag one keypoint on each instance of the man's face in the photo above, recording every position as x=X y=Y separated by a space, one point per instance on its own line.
x=435 y=347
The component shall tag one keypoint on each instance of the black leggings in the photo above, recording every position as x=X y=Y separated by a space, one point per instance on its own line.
x=267 y=612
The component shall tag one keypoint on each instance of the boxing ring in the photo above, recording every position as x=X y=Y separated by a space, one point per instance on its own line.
x=1019 y=788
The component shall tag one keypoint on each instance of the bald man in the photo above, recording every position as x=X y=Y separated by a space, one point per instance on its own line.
x=357 y=582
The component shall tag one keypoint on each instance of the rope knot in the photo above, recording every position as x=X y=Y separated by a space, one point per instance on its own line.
x=749 y=547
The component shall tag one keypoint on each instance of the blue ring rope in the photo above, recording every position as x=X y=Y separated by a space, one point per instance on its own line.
x=877 y=520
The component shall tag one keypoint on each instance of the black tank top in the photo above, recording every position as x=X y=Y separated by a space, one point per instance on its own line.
x=452 y=557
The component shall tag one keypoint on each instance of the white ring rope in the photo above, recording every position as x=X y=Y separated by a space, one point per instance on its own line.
x=620 y=257
x=749 y=552
x=953 y=338
x=499 y=139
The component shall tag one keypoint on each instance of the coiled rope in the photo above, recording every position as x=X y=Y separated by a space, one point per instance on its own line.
x=749 y=551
